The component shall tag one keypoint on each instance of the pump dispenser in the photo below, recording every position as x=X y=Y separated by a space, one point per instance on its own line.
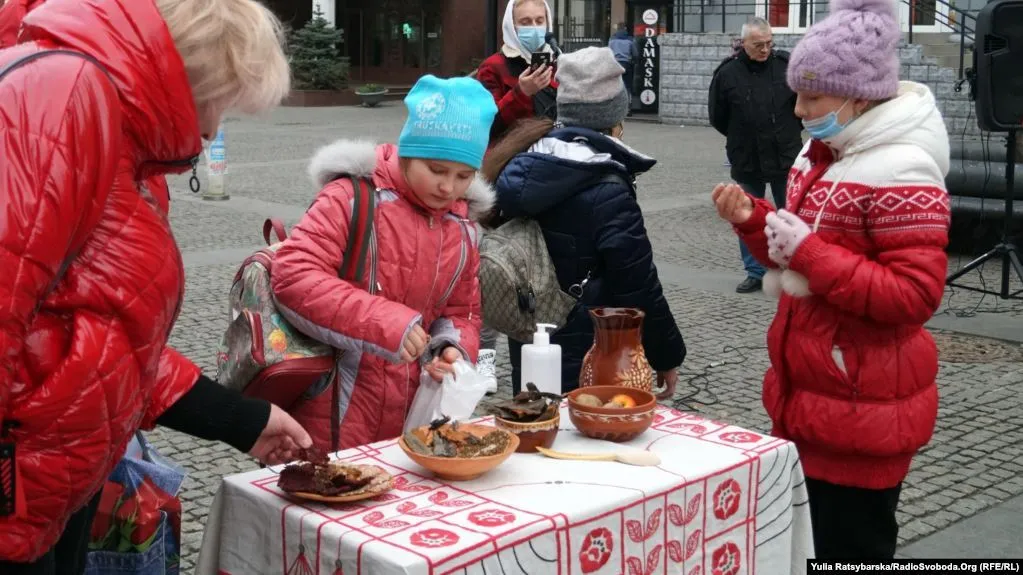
x=541 y=361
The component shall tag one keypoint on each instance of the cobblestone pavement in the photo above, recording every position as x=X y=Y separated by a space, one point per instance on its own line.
x=974 y=461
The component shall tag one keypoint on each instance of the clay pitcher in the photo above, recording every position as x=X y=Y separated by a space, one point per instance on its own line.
x=617 y=356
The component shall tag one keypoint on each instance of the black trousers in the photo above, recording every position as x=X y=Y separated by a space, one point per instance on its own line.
x=68 y=556
x=853 y=523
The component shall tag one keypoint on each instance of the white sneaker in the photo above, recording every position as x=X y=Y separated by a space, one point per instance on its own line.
x=485 y=367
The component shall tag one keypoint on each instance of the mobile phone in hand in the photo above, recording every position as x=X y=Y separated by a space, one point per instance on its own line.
x=540 y=59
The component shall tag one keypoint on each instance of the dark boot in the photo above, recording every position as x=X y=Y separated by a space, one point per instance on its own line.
x=749 y=285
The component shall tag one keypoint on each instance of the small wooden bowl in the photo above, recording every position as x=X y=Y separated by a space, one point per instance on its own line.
x=532 y=434
x=608 y=423
x=463 y=468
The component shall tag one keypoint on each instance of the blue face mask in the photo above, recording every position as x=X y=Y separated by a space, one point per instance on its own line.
x=827 y=126
x=532 y=38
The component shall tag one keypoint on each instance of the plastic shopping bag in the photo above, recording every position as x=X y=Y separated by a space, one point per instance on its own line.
x=137 y=528
x=455 y=397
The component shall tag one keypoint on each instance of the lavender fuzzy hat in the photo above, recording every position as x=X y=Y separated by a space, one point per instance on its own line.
x=853 y=53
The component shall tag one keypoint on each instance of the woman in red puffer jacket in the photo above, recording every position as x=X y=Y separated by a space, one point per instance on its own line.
x=92 y=278
x=859 y=264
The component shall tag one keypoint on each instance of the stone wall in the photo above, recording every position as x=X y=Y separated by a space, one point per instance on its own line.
x=688 y=61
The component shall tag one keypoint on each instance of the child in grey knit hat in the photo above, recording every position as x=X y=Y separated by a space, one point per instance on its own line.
x=591 y=92
x=577 y=180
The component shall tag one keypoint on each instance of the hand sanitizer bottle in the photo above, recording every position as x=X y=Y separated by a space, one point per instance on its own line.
x=541 y=361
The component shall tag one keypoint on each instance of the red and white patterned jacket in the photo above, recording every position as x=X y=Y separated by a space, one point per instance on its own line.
x=852 y=377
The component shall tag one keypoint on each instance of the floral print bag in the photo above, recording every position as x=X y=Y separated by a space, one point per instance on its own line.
x=261 y=354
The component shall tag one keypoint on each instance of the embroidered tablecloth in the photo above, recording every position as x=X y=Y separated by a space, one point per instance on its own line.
x=724 y=501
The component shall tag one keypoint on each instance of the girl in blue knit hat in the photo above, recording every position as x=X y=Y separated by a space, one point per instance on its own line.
x=418 y=305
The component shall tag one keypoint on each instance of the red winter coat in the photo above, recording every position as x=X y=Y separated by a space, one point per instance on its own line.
x=852 y=377
x=12 y=13
x=86 y=363
x=422 y=270
x=500 y=75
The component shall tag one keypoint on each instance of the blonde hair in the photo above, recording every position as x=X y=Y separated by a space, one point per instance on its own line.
x=233 y=53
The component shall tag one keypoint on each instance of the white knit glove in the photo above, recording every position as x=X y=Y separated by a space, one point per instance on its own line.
x=785 y=231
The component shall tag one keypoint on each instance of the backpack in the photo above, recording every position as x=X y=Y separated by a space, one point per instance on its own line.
x=261 y=354
x=518 y=281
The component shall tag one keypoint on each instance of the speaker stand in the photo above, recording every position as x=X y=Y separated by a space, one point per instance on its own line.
x=1005 y=250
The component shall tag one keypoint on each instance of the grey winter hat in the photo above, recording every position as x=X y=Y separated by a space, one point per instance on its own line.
x=591 y=93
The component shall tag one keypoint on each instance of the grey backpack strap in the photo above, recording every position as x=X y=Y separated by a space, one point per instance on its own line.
x=43 y=53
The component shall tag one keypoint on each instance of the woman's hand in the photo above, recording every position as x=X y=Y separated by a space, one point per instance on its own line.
x=732 y=203
x=414 y=344
x=281 y=440
x=532 y=81
x=668 y=380
x=443 y=364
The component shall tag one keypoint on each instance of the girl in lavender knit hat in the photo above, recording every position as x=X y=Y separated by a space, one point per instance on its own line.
x=857 y=260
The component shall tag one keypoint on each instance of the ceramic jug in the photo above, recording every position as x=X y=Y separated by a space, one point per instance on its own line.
x=617 y=356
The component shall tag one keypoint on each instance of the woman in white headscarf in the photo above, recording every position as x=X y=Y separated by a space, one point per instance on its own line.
x=520 y=91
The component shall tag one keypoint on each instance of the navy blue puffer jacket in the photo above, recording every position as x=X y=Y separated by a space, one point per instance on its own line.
x=593 y=226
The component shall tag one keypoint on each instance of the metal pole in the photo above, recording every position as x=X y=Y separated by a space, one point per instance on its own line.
x=216 y=168
x=1010 y=196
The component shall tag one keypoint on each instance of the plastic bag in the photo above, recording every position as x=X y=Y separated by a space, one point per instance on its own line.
x=455 y=397
x=137 y=528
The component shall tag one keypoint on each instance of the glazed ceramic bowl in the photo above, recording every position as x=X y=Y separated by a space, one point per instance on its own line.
x=608 y=423
x=533 y=434
x=463 y=468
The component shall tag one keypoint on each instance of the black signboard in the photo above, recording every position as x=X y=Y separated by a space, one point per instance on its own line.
x=650 y=25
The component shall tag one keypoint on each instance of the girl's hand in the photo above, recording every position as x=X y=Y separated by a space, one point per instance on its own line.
x=732 y=203
x=443 y=364
x=414 y=344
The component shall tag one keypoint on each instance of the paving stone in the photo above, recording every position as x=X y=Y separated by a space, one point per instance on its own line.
x=980 y=420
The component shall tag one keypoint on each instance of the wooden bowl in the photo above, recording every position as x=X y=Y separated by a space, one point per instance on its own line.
x=463 y=468
x=608 y=423
x=532 y=434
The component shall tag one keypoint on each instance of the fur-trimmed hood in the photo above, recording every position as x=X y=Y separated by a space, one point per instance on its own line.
x=366 y=159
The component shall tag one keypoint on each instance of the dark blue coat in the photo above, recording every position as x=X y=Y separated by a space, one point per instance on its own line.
x=593 y=226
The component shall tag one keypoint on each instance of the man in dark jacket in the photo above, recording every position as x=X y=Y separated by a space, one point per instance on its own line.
x=752 y=106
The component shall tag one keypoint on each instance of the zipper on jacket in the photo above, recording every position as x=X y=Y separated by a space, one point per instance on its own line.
x=462 y=257
x=374 y=285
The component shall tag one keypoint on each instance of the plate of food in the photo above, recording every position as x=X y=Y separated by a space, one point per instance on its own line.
x=316 y=478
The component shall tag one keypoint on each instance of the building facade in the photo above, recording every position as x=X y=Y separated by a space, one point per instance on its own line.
x=397 y=41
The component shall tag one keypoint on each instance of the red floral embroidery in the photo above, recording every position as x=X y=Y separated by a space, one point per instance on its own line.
x=442 y=498
x=596 y=549
x=726 y=559
x=433 y=538
x=403 y=484
x=680 y=517
x=693 y=428
x=740 y=437
x=726 y=498
x=491 y=517
x=636 y=530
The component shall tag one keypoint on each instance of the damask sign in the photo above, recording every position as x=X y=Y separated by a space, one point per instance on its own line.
x=649 y=60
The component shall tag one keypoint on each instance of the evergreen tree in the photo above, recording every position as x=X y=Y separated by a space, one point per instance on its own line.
x=315 y=61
